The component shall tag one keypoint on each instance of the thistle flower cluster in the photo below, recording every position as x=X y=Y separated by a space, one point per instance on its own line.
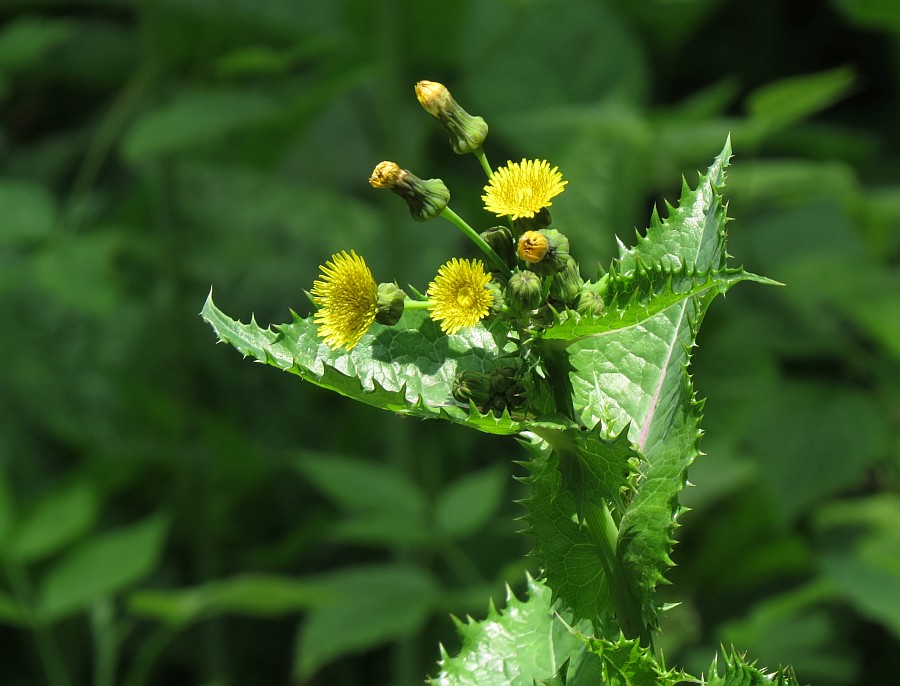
x=525 y=275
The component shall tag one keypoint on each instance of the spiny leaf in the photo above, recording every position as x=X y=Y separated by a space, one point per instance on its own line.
x=636 y=298
x=625 y=662
x=563 y=544
x=408 y=368
x=739 y=672
x=526 y=641
x=636 y=378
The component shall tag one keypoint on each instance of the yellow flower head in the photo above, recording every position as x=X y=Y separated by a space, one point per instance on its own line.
x=346 y=295
x=522 y=189
x=460 y=295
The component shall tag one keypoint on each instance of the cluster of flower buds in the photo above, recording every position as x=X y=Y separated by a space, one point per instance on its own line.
x=527 y=276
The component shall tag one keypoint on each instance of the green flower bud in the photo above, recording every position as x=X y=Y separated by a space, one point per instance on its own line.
x=467 y=133
x=524 y=291
x=425 y=198
x=389 y=306
x=500 y=239
x=541 y=220
x=590 y=302
x=472 y=386
x=546 y=251
x=567 y=284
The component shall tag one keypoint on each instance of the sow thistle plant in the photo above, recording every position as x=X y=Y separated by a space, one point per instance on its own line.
x=589 y=374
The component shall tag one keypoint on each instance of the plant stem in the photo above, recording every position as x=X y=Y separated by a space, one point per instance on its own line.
x=470 y=233
x=605 y=534
x=482 y=158
x=105 y=644
x=556 y=363
x=47 y=647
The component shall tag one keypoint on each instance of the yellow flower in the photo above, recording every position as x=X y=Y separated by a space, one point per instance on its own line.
x=346 y=296
x=459 y=295
x=522 y=189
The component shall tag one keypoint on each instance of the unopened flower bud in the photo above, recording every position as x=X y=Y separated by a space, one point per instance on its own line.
x=541 y=220
x=425 y=198
x=500 y=239
x=590 y=303
x=546 y=251
x=389 y=307
x=524 y=291
x=567 y=284
x=533 y=246
x=471 y=386
x=467 y=133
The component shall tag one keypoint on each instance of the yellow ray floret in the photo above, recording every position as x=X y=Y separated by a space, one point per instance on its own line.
x=522 y=189
x=459 y=295
x=346 y=295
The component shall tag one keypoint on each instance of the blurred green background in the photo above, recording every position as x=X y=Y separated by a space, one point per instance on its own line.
x=171 y=514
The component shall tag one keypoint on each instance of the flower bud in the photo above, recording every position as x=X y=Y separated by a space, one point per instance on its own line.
x=467 y=133
x=500 y=239
x=389 y=306
x=567 y=284
x=470 y=386
x=590 y=303
x=546 y=251
x=524 y=292
x=425 y=198
x=541 y=220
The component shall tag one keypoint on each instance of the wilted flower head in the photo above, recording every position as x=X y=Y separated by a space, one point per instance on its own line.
x=522 y=189
x=459 y=294
x=347 y=296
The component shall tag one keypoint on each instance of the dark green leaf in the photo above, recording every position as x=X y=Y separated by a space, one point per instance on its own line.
x=29 y=211
x=101 y=567
x=255 y=595
x=195 y=119
x=467 y=504
x=28 y=39
x=363 y=607
x=58 y=519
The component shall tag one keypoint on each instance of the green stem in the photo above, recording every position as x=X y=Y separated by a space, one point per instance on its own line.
x=148 y=655
x=556 y=363
x=47 y=647
x=410 y=304
x=605 y=534
x=105 y=644
x=482 y=158
x=470 y=233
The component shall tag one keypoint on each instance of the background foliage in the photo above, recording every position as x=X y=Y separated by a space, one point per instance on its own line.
x=170 y=515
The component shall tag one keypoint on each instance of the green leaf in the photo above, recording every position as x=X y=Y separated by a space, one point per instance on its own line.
x=10 y=613
x=28 y=39
x=255 y=595
x=7 y=515
x=467 y=504
x=100 y=568
x=58 y=519
x=862 y=555
x=562 y=543
x=625 y=662
x=408 y=368
x=29 y=211
x=739 y=672
x=362 y=485
x=363 y=607
x=881 y=15
x=526 y=641
x=633 y=381
x=195 y=119
x=793 y=99
x=383 y=505
x=636 y=298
